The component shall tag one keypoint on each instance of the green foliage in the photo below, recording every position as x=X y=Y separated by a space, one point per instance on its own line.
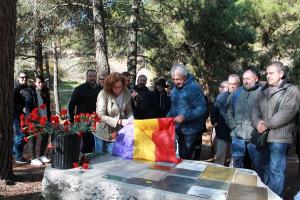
x=214 y=38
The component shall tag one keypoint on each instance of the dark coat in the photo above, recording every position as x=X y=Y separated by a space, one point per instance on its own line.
x=84 y=97
x=240 y=107
x=141 y=104
x=21 y=96
x=161 y=104
x=32 y=102
x=218 y=113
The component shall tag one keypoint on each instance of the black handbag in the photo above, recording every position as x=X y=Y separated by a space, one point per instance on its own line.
x=261 y=139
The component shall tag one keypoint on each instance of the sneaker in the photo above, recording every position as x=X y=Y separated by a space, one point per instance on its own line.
x=44 y=159
x=36 y=162
x=21 y=160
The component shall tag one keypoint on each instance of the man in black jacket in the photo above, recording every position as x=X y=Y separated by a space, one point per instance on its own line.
x=141 y=99
x=84 y=98
x=160 y=101
x=21 y=95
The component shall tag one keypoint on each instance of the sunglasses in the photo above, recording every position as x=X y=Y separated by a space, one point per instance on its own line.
x=24 y=77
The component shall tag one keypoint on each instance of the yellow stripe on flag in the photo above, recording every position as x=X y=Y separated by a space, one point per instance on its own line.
x=144 y=148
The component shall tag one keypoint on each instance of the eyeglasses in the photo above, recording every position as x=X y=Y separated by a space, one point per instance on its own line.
x=23 y=77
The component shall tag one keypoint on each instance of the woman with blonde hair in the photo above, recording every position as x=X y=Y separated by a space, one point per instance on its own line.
x=114 y=108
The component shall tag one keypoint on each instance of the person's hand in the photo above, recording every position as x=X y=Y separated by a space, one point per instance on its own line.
x=134 y=93
x=124 y=122
x=261 y=126
x=179 y=119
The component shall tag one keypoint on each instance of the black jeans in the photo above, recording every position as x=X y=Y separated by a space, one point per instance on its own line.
x=189 y=146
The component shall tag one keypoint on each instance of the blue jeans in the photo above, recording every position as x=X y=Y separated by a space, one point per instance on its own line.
x=274 y=157
x=103 y=146
x=18 y=140
x=238 y=147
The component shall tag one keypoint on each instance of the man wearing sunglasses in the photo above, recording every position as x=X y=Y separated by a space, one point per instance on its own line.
x=21 y=93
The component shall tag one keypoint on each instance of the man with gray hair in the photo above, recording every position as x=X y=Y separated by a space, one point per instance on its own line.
x=281 y=124
x=234 y=82
x=188 y=109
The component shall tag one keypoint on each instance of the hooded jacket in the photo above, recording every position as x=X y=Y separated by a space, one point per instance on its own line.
x=282 y=124
x=188 y=101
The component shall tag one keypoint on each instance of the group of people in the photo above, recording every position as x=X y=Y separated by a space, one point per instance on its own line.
x=26 y=98
x=237 y=110
x=272 y=106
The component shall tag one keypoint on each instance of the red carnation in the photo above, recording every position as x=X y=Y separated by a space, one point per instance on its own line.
x=35 y=111
x=77 y=118
x=75 y=165
x=35 y=117
x=22 y=123
x=54 y=119
x=24 y=130
x=26 y=139
x=22 y=117
x=85 y=166
x=31 y=127
x=63 y=112
x=43 y=121
x=43 y=106
x=28 y=120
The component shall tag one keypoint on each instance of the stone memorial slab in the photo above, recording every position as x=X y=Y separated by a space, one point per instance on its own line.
x=184 y=172
x=174 y=184
x=244 y=179
x=242 y=192
x=207 y=193
x=213 y=184
x=218 y=173
x=115 y=178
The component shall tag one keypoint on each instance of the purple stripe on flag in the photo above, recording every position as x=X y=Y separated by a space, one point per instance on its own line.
x=123 y=145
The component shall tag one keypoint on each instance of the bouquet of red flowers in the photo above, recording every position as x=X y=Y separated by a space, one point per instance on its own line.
x=59 y=124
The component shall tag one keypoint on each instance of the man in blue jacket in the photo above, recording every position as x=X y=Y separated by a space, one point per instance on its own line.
x=188 y=109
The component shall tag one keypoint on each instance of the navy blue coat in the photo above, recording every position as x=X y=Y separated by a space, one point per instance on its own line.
x=218 y=114
x=189 y=101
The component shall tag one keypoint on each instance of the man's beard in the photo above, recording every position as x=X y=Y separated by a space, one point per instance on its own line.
x=92 y=83
x=249 y=86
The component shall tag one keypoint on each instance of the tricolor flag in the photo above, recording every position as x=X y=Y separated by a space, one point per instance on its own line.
x=148 y=139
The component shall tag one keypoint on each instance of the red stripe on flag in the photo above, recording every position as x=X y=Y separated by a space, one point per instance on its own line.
x=164 y=140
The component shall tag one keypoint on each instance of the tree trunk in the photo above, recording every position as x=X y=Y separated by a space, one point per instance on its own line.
x=132 y=57
x=47 y=67
x=55 y=77
x=37 y=40
x=102 y=64
x=7 y=57
x=38 y=49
